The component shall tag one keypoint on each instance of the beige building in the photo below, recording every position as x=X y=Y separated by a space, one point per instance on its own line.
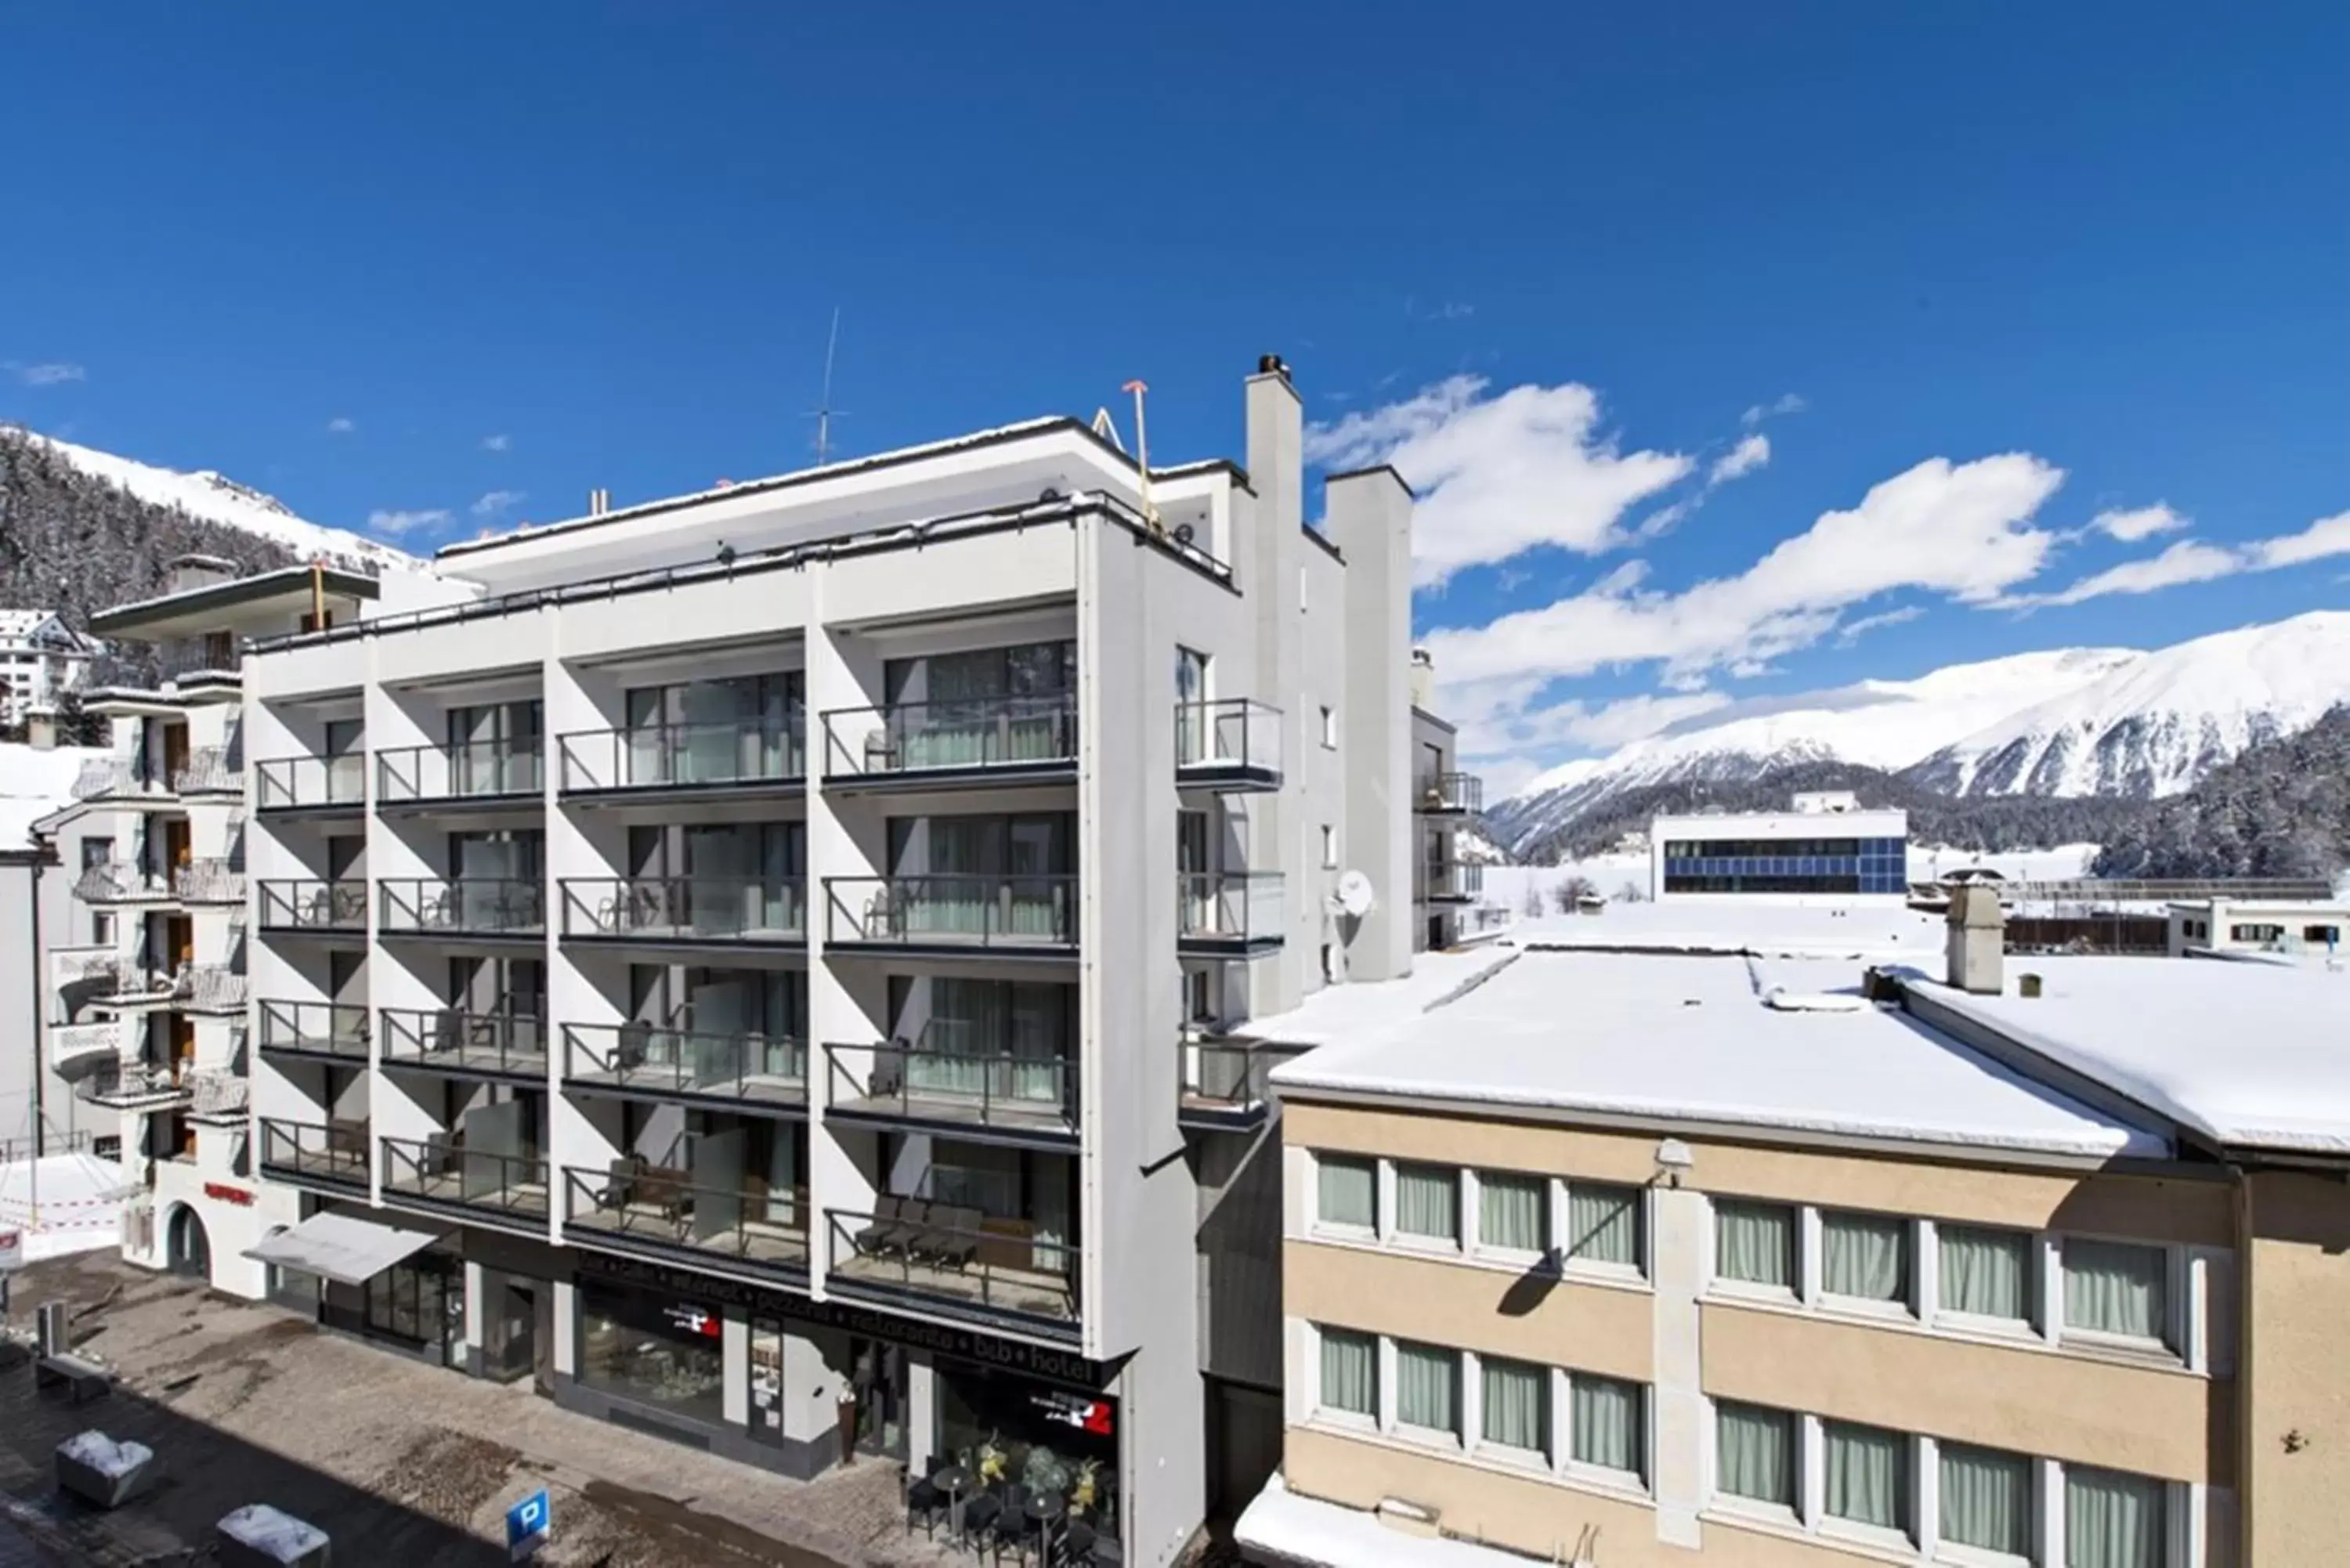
x=1629 y=1258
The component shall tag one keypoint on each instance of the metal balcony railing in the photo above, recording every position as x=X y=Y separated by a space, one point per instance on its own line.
x=135 y=983
x=136 y=1087
x=286 y=782
x=1236 y=909
x=1006 y=1090
x=209 y=987
x=121 y=882
x=316 y=1028
x=469 y=769
x=490 y=906
x=1023 y=734
x=310 y=904
x=451 y=1039
x=217 y=1093
x=953 y=910
x=687 y=908
x=334 y=1152
x=210 y=770
x=214 y=880
x=442 y=1169
x=674 y=756
x=1452 y=792
x=1226 y=1077
x=1237 y=736
x=653 y=1059
x=954 y=1253
x=635 y=1206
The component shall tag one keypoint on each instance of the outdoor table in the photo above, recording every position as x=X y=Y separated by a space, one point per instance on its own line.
x=952 y=1481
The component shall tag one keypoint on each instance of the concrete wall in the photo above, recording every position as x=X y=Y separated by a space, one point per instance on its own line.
x=2293 y=1377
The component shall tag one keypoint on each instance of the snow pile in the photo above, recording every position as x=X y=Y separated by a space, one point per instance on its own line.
x=104 y=1455
x=221 y=499
x=63 y=1203
x=277 y=1535
x=1284 y=1527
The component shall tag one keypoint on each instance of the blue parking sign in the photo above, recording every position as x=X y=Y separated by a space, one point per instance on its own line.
x=527 y=1524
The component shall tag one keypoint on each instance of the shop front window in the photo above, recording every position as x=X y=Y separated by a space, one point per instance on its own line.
x=653 y=1350
x=1014 y=1432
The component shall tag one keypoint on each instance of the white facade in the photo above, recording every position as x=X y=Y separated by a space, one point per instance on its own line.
x=813 y=910
x=1813 y=848
x=41 y=657
x=2307 y=930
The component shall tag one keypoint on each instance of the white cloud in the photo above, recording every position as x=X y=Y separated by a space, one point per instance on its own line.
x=498 y=444
x=1740 y=461
x=496 y=502
x=398 y=522
x=1499 y=475
x=1508 y=715
x=341 y=424
x=2326 y=536
x=1785 y=403
x=52 y=374
x=2141 y=523
x=2197 y=561
x=1852 y=631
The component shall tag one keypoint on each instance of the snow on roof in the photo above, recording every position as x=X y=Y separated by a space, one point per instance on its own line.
x=1678 y=1038
x=35 y=783
x=1877 y=928
x=1310 y=1533
x=1339 y=1012
x=2249 y=1054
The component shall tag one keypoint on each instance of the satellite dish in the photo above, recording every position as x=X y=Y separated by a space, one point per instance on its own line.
x=1356 y=895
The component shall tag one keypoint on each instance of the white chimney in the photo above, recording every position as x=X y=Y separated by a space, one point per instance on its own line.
x=1977 y=940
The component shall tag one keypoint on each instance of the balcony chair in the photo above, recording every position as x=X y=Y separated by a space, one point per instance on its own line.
x=951 y=1236
x=880 y=753
x=889 y=1214
x=880 y=916
x=620 y=1182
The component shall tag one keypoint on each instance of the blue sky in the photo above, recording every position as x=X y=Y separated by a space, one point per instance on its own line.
x=1549 y=258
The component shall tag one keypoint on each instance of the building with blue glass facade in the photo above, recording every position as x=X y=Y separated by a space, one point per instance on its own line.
x=1834 y=849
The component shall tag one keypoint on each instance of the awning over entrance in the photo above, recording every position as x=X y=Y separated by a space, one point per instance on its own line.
x=343 y=1248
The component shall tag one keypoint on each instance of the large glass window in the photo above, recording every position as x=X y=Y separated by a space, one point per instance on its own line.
x=1755 y=1244
x=1603 y=1224
x=1515 y=1398
x=1985 y=1273
x=1428 y=1202
x=1607 y=1424
x=2112 y=1521
x=1867 y=1476
x=1865 y=1256
x=1512 y=1211
x=1056 y=1443
x=1350 y=1373
x=1428 y=1388
x=1986 y=1500
x=653 y=1350
x=1347 y=1191
x=1754 y=1451
x=2114 y=1287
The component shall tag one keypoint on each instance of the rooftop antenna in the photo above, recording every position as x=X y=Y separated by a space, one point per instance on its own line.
x=824 y=405
x=1142 y=455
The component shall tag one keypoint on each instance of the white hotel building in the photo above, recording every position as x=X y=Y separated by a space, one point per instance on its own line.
x=775 y=962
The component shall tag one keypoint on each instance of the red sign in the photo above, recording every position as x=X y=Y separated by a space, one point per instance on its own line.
x=1074 y=1410
x=227 y=1194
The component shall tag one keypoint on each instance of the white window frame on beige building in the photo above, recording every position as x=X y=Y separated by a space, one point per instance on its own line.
x=1468 y=1246
x=2191 y=1301
x=2186 y=1506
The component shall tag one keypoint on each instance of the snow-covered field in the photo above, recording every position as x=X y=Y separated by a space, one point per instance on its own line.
x=63 y=1203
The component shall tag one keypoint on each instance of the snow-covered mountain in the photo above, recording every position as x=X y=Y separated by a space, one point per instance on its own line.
x=2068 y=721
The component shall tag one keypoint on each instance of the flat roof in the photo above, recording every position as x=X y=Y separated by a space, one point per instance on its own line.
x=197 y=611
x=2250 y=1056
x=1879 y=929
x=1775 y=1045
x=1826 y=823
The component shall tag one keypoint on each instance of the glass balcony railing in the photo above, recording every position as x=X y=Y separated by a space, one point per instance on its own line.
x=1452 y=881
x=449 y=1039
x=953 y=910
x=652 y=1059
x=444 y=1171
x=315 y=1028
x=1225 y=1080
x=950 y=1253
x=1010 y=1091
x=1238 y=910
x=1452 y=792
x=285 y=784
x=471 y=770
x=1023 y=735
x=687 y=908
x=631 y=1206
x=678 y=756
x=311 y=903
x=334 y=1153
x=463 y=906
x=1237 y=739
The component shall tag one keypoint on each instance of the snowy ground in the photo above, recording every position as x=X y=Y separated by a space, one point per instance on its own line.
x=1512 y=887
x=64 y=1204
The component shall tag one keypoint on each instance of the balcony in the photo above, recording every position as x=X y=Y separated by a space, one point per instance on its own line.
x=962 y=744
x=649 y=764
x=210 y=772
x=472 y=777
x=955 y=1259
x=651 y=1211
x=135 y=985
x=330 y=1155
x=468 y=908
x=1450 y=794
x=1229 y=914
x=1225 y=1087
x=1453 y=882
x=1004 y=916
x=217 y=1096
x=121 y=882
x=695 y=1066
x=686 y=911
x=318 y=1031
x=215 y=881
x=74 y=966
x=1234 y=744
x=215 y=989
x=495 y=1045
x=988 y=1096
x=311 y=786
x=83 y=1050
x=309 y=904
x=442 y=1173
x=140 y=1086
x=121 y=780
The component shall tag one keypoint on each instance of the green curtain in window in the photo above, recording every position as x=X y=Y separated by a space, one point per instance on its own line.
x=1756 y=1453
x=967 y=1019
x=1867 y=1472
x=1986 y=1500
x=1350 y=1191
x=1602 y=1223
x=2111 y=1287
x=1509 y=1212
x=1865 y=1256
x=1515 y=1396
x=1756 y=1242
x=2112 y=1521
x=1985 y=1272
x=1427 y=1201
x=1606 y=1423
x=1428 y=1388
x=1350 y=1371
x=955 y=726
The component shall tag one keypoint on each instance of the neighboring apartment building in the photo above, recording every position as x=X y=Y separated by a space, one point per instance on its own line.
x=54 y=951
x=1444 y=800
x=1639 y=1258
x=2294 y=928
x=41 y=659
x=1824 y=846
x=771 y=961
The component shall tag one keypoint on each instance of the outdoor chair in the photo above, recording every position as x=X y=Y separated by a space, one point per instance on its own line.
x=1012 y=1527
x=979 y=1516
x=915 y=1221
x=923 y=1498
x=887 y=1209
x=953 y=1238
x=620 y=1183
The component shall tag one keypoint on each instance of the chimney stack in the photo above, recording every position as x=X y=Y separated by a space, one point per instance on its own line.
x=1977 y=940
